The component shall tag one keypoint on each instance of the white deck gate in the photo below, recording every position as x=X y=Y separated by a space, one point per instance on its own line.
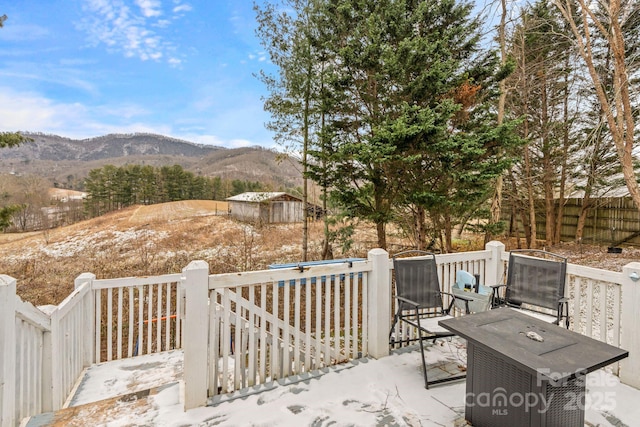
x=266 y=325
x=137 y=315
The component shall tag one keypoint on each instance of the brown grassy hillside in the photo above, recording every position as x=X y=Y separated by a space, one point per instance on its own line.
x=159 y=239
x=146 y=240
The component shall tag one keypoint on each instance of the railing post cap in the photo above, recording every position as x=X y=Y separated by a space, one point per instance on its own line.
x=196 y=265
x=635 y=265
x=377 y=251
x=6 y=280
x=495 y=244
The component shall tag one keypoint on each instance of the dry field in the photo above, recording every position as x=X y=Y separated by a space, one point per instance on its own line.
x=147 y=240
x=159 y=239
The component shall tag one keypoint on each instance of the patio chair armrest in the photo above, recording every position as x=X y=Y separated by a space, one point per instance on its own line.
x=408 y=301
x=563 y=311
x=463 y=298
x=447 y=293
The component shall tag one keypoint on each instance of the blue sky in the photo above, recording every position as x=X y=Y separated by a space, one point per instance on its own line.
x=181 y=68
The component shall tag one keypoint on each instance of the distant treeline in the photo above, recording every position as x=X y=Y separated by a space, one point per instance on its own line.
x=111 y=188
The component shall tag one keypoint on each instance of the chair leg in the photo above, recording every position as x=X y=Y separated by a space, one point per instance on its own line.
x=424 y=361
x=393 y=325
x=563 y=312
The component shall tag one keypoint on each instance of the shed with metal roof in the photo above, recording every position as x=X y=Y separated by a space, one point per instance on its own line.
x=267 y=207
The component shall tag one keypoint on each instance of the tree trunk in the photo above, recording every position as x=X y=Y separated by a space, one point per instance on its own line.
x=382 y=235
x=531 y=205
x=548 y=176
x=618 y=111
x=305 y=150
x=496 y=202
x=582 y=217
x=565 y=158
x=420 y=228
x=448 y=241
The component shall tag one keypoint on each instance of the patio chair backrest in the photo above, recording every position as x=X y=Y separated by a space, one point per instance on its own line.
x=535 y=277
x=416 y=278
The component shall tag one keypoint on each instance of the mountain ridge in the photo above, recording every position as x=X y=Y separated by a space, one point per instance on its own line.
x=65 y=161
x=54 y=147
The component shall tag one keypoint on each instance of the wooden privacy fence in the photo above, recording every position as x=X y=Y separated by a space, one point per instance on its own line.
x=611 y=221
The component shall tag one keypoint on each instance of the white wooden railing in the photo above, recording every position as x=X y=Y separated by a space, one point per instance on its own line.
x=244 y=329
x=70 y=342
x=266 y=325
x=24 y=334
x=136 y=315
x=266 y=330
x=43 y=352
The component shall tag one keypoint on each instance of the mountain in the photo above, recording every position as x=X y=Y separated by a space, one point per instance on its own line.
x=58 y=148
x=66 y=161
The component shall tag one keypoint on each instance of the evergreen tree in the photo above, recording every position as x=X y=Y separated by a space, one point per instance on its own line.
x=411 y=123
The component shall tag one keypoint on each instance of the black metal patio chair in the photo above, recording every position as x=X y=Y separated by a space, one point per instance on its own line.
x=536 y=283
x=420 y=303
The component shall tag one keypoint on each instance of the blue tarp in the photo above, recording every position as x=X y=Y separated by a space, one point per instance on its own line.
x=311 y=264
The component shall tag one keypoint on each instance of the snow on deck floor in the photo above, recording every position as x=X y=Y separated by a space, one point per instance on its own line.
x=389 y=391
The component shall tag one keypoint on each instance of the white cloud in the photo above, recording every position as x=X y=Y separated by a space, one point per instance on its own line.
x=259 y=56
x=214 y=140
x=136 y=32
x=149 y=8
x=28 y=111
x=182 y=8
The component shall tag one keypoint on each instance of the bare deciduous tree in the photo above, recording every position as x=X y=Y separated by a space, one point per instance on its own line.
x=617 y=109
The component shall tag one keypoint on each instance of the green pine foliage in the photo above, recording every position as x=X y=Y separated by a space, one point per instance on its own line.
x=111 y=188
x=12 y=139
x=411 y=136
x=6 y=216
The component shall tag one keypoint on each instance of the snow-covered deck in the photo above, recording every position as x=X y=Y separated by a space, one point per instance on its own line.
x=145 y=390
x=309 y=327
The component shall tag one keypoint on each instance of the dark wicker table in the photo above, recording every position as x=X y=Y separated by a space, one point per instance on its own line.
x=523 y=371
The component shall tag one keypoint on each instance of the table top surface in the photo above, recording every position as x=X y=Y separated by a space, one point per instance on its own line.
x=542 y=348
